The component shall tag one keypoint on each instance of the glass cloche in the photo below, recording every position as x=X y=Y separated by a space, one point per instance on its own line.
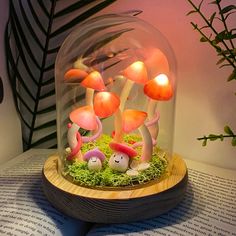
x=115 y=87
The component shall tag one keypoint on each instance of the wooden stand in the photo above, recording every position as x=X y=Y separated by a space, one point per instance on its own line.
x=114 y=206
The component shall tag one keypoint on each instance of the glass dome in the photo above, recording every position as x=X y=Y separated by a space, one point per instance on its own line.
x=115 y=87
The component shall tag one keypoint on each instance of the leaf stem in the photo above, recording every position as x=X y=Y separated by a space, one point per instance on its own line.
x=197 y=9
x=213 y=45
x=218 y=136
x=225 y=25
x=43 y=64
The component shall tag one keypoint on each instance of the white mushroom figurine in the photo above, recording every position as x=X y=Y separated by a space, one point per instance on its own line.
x=119 y=160
x=94 y=158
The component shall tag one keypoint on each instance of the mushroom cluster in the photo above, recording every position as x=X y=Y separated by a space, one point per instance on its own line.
x=101 y=103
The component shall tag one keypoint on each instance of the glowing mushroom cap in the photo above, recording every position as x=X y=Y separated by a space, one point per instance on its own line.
x=94 y=153
x=136 y=72
x=156 y=61
x=106 y=104
x=121 y=147
x=132 y=119
x=74 y=75
x=159 y=88
x=84 y=117
x=94 y=81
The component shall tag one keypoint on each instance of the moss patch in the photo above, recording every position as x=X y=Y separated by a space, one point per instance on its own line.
x=81 y=175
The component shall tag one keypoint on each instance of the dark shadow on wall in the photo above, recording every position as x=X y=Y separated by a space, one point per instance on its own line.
x=1 y=91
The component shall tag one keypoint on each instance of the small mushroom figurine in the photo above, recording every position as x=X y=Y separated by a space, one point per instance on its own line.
x=119 y=160
x=94 y=158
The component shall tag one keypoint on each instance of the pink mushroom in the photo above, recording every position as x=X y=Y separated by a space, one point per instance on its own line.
x=77 y=73
x=119 y=160
x=92 y=82
x=121 y=147
x=74 y=75
x=134 y=119
x=135 y=73
x=94 y=158
x=157 y=89
x=155 y=60
x=107 y=104
x=85 y=118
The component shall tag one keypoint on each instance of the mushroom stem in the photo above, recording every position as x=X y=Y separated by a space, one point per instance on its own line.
x=89 y=96
x=76 y=149
x=125 y=93
x=153 y=118
x=118 y=115
x=86 y=139
x=151 y=108
x=138 y=144
x=118 y=127
x=71 y=135
x=147 y=144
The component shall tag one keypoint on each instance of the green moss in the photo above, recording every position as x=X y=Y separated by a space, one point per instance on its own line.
x=80 y=174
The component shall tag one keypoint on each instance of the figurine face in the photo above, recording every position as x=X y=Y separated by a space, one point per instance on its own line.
x=119 y=161
x=95 y=164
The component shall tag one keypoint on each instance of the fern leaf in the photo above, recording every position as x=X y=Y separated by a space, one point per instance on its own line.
x=33 y=27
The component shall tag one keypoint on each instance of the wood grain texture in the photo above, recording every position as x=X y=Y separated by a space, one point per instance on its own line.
x=114 y=206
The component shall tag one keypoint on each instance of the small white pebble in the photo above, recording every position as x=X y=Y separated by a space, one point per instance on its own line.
x=131 y=172
x=68 y=150
x=143 y=166
x=136 y=165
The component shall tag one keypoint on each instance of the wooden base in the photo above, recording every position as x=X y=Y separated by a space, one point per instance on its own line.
x=114 y=206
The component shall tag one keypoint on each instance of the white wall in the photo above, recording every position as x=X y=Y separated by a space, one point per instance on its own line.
x=205 y=101
x=10 y=134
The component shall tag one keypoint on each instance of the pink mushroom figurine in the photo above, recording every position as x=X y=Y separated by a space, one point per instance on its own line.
x=119 y=160
x=94 y=158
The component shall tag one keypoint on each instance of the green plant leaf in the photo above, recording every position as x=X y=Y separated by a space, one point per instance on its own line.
x=225 y=65
x=224 y=35
x=204 y=143
x=213 y=137
x=228 y=14
x=232 y=75
x=215 y=2
x=233 y=142
x=203 y=39
x=200 y=5
x=228 y=130
x=212 y=18
x=227 y=9
x=221 y=137
x=191 y=12
x=221 y=60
